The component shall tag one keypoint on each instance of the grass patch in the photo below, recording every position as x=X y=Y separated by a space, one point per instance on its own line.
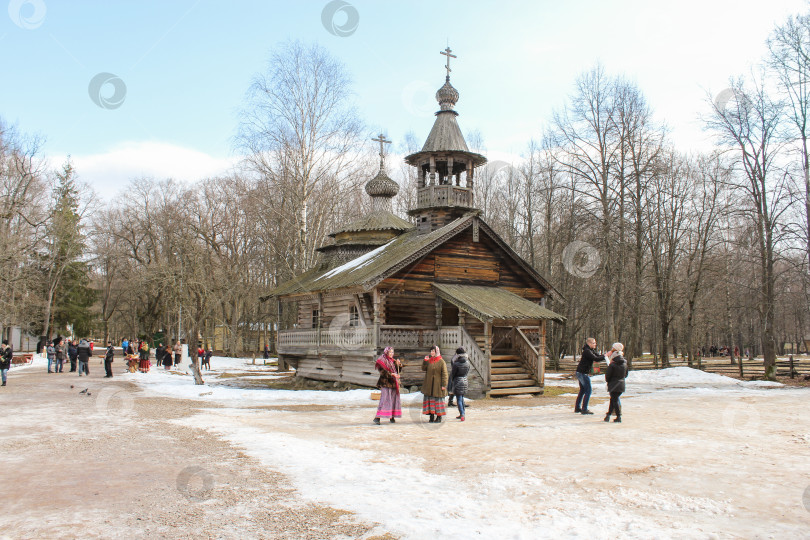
x=553 y=391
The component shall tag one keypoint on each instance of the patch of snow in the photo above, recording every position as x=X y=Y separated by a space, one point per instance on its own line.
x=399 y=493
x=353 y=264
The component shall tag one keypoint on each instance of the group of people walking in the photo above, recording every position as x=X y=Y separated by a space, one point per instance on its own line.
x=615 y=375
x=435 y=387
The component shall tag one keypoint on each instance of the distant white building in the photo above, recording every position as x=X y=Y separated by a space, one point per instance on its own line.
x=19 y=340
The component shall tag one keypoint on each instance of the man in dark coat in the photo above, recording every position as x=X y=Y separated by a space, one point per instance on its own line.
x=614 y=377
x=83 y=354
x=589 y=356
x=73 y=354
x=6 y=357
x=108 y=360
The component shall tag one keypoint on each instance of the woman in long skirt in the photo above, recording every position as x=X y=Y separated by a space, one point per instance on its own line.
x=434 y=389
x=388 y=383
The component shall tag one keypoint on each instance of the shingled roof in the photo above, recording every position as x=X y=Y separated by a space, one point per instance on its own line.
x=368 y=270
x=376 y=221
x=488 y=303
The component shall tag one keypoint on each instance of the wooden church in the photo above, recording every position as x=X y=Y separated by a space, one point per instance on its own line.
x=446 y=278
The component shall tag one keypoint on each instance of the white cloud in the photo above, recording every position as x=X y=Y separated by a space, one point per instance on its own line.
x=110 y=172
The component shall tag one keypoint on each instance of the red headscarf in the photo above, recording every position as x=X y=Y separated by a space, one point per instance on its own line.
x=387 y=363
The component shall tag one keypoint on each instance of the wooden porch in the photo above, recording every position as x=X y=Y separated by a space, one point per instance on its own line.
x=504 y=359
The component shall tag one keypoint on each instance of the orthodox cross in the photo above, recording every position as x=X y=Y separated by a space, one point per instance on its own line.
x=447 y=52
x=382 y=140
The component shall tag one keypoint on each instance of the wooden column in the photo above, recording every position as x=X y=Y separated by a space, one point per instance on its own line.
x=488 y=347
x=320 y=317
x=541 y=369
x=282 y=363
x=377 y=306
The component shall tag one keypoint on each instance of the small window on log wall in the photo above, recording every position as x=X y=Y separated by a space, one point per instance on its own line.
x=316 y=318
x=354 y=316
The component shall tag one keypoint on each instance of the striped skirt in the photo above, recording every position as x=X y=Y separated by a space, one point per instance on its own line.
x=390 y=405
x=433 y=405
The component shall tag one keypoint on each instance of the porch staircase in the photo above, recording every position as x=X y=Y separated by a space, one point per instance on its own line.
x=509 y=377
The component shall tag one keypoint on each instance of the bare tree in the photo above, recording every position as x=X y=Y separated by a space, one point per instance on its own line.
x=748 y=125
x=300 y=130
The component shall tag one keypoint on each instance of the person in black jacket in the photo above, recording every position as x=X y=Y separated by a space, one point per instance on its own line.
x=460 y=367
x=108 y=359
x=589 y=356
x=83 y=354
x=6 y=355
x=73 y=354
x=614 y=377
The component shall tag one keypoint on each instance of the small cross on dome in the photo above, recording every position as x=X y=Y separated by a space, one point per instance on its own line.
x=382 y=140
x=448 y=53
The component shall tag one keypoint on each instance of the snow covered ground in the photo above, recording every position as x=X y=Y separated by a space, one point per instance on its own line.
x=698 y=455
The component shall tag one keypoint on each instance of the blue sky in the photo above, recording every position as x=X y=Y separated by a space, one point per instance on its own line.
x=187 y=65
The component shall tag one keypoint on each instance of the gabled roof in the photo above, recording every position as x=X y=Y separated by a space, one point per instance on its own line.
x=488 y=303
x=368 y=270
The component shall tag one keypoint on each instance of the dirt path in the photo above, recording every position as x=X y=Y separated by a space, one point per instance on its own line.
x=115 y=465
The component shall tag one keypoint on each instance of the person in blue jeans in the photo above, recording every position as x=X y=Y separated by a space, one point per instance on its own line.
x=6 y=355
x=84 y=357
x=50 y=351
x=589 y=356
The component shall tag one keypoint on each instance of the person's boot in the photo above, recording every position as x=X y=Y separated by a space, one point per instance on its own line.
x=607 y=417
x=432 y=418
x=4 y=383
x=577 y=409
x=618 y=419
x=586 y=411
x=438 y=419
x=377 y=421
x=392 y=420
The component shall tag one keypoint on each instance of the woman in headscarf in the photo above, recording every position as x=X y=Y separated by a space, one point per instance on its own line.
x=390 y=405
x=434 y=388
x=614 y=377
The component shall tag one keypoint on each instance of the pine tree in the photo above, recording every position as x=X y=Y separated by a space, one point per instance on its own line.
x=61 y=262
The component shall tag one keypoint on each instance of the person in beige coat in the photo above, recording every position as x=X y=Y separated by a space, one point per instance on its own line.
x=434 y=388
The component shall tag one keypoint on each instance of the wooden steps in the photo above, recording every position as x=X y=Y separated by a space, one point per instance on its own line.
x=515 y=391
x=514 y=383
x=509 y=377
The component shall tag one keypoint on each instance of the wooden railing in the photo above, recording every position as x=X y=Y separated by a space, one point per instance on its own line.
x=478 y=359
x=347 y=338
x=297 y=338
x=408 y=337
x=353 y=337
x=447 y=195
x=502 y=338
x=529 y=356
x=533 y=335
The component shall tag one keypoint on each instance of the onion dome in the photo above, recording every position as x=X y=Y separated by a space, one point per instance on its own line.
x=447 y=95
x=382 y=186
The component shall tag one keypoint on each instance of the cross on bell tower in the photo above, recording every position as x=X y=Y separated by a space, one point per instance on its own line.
x=448 y=53
x=445 y=166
